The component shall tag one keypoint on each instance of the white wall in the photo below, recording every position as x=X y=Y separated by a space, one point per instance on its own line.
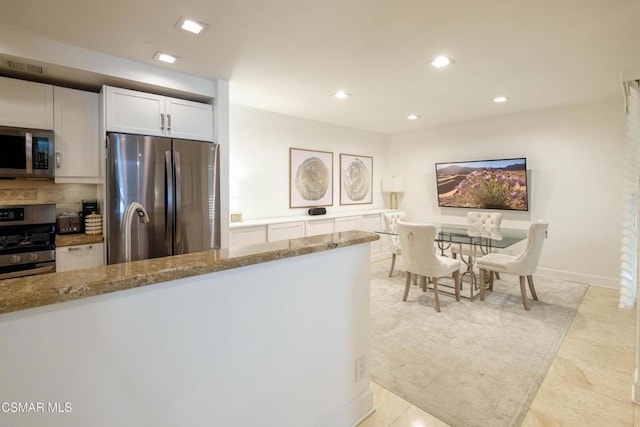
x=574 y=156
x=259 y=160
x=263 y=345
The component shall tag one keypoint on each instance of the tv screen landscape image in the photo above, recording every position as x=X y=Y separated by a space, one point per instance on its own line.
x=483 y=184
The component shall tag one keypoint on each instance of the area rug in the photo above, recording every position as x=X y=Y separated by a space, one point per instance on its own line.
x=477 y=363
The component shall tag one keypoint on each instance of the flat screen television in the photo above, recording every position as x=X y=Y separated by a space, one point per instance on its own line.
x=483 y=184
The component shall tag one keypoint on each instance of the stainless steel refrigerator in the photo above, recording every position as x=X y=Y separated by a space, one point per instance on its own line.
x=173 y=184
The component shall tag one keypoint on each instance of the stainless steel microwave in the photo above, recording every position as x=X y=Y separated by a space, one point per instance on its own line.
x=26 y=153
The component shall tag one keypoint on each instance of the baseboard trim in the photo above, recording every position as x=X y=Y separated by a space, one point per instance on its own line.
x=572 y=276
x=352 y=413
x=635 y=388
x=371 y=411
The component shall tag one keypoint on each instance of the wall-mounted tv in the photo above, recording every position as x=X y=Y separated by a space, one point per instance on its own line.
x=483 y=184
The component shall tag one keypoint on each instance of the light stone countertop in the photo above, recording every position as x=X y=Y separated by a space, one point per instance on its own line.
x=63 y=240
x=35 y=291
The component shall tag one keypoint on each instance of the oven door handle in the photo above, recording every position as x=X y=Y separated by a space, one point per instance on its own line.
x=39 y=270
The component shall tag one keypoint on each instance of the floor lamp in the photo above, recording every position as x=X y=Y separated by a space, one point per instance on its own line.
x=393 y=186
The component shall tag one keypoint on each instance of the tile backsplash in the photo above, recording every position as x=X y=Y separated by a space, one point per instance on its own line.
x=67 y=197
x=19 y=194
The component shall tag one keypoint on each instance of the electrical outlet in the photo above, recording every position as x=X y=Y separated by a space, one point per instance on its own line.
x=361 y=368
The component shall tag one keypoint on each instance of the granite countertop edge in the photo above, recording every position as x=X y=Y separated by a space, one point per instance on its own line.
x=36 y=291
x=64 y=240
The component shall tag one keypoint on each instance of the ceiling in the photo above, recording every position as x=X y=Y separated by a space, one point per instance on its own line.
x=290 y=56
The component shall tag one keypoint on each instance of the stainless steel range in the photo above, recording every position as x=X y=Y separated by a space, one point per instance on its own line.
x=27 y=240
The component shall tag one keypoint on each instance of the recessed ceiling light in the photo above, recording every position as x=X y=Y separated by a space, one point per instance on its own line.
x=193 y=26
x=441 y=61
x=500 y=99
x=165 y=57
x=341 y=94
x=413 y=117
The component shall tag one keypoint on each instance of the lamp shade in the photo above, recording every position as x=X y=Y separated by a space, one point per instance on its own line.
x=394 y=184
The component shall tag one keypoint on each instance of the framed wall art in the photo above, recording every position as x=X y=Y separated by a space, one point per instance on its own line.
x=356 y=177
x=310 y=178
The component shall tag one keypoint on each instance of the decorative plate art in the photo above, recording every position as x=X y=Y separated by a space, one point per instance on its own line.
x=310 y=178
x=356 y=176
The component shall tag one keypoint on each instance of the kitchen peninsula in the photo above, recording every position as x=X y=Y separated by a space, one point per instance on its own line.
x=266 y=334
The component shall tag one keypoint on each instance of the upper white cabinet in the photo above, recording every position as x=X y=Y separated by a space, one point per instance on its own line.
x=188 y=119
x=26 y=104
x=144 y=113
x=77 y=141
x=134 y=112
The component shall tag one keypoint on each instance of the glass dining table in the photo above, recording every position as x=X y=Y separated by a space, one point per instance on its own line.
x=479 y=240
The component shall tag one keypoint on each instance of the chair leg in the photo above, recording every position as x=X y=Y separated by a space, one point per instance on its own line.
x=497 y=275
x=407 y=286
x=532 y=288
x=523 y=291
x=393 y=263
x=471 y=284
x=423 y=283
x=491 y=275
x=456 y=284
x=434 y=280
x=482 y=273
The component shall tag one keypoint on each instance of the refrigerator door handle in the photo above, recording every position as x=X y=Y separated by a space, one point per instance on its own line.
x=176 y=164
x=169 y=195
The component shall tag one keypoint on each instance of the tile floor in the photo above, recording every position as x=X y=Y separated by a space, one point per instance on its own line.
x=588 y=383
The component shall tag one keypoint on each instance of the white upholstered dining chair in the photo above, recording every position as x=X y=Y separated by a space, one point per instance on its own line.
x=523 y=265
x=484 y=219
x=390 y=221
x=476 y=222
x=420 y=259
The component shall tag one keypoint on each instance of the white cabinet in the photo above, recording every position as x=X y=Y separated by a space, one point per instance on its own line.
x=261 y=231
x=77 y=141
x=371 y=223
x=79 y=256
x=347 y=223
x=26 y=104
x=243 y=236
x=72 y=114
x=144 y=113
x=319 y=226
x=286 y=230
x=189 y=120
x=134 y=112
